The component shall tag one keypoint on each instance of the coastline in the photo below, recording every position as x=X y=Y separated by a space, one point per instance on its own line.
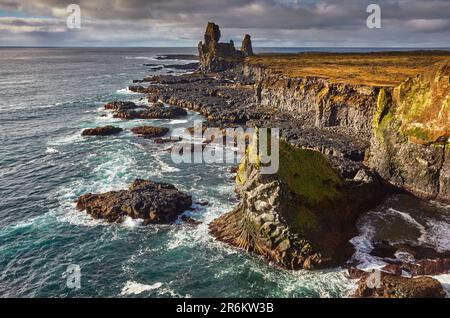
x=214 y=243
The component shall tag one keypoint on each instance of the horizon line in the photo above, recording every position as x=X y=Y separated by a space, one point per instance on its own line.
x=255 y=47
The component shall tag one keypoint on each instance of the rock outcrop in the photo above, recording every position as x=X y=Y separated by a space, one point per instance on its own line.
x=120 y=106
x=247 y=47
x=150 y=131
x=155 y=111
x=411 y=141
x=153 y=202
x=301 y=217
x=216 y=56
x=400 y=287
x=406 y=126
x=102 y=131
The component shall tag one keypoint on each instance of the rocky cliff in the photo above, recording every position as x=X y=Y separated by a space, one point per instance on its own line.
x=406 y=126
x=216 y=56
x=301 y=217
x=410 y=146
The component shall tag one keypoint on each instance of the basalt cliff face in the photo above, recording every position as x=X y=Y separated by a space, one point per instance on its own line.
x=410 y=145
x=346 y=142
x=406 y=127
x=325 y=103
x=216 y=56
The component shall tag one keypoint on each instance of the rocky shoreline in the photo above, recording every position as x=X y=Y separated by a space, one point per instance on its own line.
x=344 y=148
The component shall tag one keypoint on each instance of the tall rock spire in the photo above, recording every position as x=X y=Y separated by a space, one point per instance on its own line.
x=218 y=57
x=247 y=45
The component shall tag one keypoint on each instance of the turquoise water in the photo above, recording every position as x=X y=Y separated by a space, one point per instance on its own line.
x=47 y=97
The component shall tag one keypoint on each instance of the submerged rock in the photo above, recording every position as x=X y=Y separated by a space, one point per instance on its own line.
x=145 y=199
x=150 y=131
x=186 y=67
x=167 y=140
x=188 y=57
x=102 y=131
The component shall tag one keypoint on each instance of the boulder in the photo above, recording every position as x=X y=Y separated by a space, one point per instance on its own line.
x=120 y=106
x=102 y=131
x=145 y=199
x=392 y=286
x=150 y=131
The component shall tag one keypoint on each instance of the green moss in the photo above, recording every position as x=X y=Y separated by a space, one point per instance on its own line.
x=304 y=220
x=418 y=133
x=240 y=177
x=308 y=174
x=384 y=114
x=417 y=100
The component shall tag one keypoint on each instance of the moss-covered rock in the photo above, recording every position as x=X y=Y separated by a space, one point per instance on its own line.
x=300 y=217
x=412 y=131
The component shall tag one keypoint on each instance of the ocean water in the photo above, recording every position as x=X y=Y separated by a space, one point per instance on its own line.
x=47 y=97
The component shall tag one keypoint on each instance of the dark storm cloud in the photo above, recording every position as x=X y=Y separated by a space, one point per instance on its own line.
x=270 y=21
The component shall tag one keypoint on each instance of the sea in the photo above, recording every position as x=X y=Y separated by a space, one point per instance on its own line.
x=47 y=97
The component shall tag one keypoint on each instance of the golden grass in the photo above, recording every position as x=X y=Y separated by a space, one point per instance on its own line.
x=373 y=69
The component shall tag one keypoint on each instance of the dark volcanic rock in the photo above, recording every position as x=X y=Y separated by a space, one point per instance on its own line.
x=102 y=131
x=121 y=106
x=167 y=140
x=217 y=57
x=151 y=112
x=400 y=287
x=188 y=66
x=150 y=131
x=247 y=45
x=145 y=199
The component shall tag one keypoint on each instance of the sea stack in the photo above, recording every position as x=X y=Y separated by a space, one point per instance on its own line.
x=218 y=57
x=247 y=45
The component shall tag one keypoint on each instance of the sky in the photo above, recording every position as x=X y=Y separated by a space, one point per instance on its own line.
x=272 y=23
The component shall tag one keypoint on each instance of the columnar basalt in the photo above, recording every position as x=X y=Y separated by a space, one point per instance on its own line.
x=326 y=103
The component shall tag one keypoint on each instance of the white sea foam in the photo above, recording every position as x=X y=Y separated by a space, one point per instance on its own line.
x=363 y=247
x=125 y=91
x=178 y=121
x=409 y=219
x=66 y=139
x=133 y=288
x=151 y=58
x=51 y=150
x=132 y=223
x=444 y=279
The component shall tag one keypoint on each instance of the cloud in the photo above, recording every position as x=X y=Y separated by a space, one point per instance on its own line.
x=299 y=22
